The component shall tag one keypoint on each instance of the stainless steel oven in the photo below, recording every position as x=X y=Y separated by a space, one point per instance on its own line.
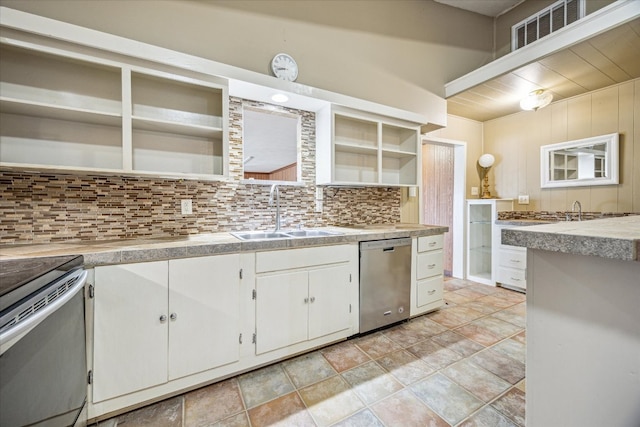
x=43 y=373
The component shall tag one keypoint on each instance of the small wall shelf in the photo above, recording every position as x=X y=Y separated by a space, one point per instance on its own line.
x=354 y=148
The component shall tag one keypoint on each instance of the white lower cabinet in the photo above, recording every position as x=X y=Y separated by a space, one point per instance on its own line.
x=158 y=328
x=158 y=321
x=304 y=300
x=512 y=264
x=428 y=276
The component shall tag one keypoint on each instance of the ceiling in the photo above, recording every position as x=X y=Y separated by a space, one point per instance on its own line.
x=491 y=8
x=606 y=59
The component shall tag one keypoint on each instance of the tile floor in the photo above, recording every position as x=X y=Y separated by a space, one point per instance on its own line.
x=463 y=365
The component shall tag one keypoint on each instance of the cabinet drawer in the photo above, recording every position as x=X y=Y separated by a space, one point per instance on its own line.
x=429 y=290
x=513 y=258
x=305 y=257
x=429 y=243
x=429 y=264
x=512 y=277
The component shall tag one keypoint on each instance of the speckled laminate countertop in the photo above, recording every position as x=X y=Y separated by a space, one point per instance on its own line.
x=615 y=238
x=522 y=222
x=102 y=252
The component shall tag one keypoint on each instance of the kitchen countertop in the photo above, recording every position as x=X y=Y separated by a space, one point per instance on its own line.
x=522 y=222
x=614 y=238
x=105 y=252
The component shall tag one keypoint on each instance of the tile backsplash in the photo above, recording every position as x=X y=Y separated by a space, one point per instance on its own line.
x=38 y=207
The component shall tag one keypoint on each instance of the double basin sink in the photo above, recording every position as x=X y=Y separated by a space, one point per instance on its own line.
x=270 y=235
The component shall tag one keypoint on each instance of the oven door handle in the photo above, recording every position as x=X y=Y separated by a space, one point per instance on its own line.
x=12 y=335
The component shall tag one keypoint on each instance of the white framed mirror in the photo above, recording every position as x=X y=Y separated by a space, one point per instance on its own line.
x=271 y=145
x=583 y=162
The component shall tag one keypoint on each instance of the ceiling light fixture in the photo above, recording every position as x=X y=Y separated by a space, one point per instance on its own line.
x=536 y=99
x=279 y=97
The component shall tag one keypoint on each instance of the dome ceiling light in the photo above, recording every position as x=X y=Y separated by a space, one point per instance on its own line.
x=536 y=99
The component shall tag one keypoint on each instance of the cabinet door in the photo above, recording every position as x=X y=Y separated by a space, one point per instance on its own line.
x=204 y=313
x=328 y=300
x=130 y=339
x=281 y=310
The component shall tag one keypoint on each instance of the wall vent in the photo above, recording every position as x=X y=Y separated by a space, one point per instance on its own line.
x=550 y=19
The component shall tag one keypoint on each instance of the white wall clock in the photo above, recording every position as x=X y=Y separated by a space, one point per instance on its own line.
x=284 y=67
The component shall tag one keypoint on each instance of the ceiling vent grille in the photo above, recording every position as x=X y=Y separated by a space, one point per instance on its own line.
x=550 y=19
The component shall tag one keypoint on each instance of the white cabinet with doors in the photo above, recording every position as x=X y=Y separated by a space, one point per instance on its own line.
x=155 y=322
x=483 y=238
x=428 y=288
x=305 y=294
x=356 y=148
x=69 y=109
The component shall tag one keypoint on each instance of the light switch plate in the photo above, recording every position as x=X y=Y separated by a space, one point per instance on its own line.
x=523 y=199
x=186 y=206
x=474 y=191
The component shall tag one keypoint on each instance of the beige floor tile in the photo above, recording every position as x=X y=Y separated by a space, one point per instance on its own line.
x=167 y=413
x=285 y=411
x=371 y=382
x=331 y=400
x=512 y=404
x=308 y=369
x=211 y=404
x=376 y=345
x=344 y=355
x=405 y=367
x=481 y=383
x=264 y=384
x=404 y=409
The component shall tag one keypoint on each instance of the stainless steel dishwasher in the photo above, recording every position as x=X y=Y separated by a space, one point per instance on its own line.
x=385 y=282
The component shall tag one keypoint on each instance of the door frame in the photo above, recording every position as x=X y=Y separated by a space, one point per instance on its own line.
x=459 y=183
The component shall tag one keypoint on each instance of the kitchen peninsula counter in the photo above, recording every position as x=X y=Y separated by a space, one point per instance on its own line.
x=105 y=252
x=583 y=321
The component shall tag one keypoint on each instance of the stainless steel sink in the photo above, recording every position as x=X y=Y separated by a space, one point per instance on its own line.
x=270 y=235
x=261 y=235
x=311 y=233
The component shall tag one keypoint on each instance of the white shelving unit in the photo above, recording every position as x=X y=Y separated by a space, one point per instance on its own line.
x=357 y=149
x=483 y=240
x=64 y=111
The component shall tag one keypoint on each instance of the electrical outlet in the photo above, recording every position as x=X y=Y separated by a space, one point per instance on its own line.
x=474 y=191
x=523 y=199
x=186 y=206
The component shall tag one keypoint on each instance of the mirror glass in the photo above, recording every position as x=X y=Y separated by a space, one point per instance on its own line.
x=271 y=142
x=584 y=162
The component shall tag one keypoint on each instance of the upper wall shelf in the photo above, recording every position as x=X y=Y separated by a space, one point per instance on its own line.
x=242 y=83
x=596 y=51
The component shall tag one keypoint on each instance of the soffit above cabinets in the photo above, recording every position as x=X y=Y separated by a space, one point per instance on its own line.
x=566 y=70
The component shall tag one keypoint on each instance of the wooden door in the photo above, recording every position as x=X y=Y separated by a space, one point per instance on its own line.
x=437 y=193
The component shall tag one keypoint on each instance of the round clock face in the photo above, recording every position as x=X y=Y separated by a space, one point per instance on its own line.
x=284 y=67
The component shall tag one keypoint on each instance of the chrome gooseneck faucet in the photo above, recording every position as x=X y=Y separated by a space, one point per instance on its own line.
x=573 y=208
x=275 y=192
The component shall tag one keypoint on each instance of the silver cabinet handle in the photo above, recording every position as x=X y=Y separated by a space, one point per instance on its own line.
x=306 y=300
x=430 y=266
x=515 y=280
x=173 y=316
x=163 y=318
x=432 y=243
x=431 y=292
x=313 y=299
x=515 y=260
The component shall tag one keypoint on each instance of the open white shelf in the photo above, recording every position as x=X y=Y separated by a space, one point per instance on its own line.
x=365 y=150
x=64 y=113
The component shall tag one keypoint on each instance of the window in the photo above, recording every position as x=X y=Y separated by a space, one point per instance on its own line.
x=550 y=19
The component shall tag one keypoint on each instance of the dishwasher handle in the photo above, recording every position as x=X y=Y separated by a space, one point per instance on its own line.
x=385 y=245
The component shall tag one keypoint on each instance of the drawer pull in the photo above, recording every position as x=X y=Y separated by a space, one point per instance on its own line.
x=515 y=280
x=514 y=260
x=430 y=266
x=431 y=292
x=432 y=243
